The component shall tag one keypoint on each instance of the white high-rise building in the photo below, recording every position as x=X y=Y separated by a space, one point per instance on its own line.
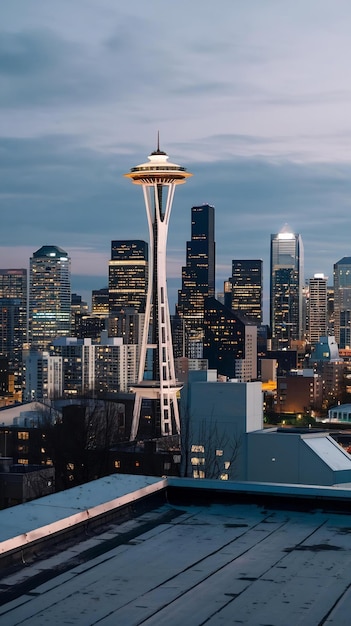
x=43 y=373
x=49 y=296
x=79 y=367
x=317 y=308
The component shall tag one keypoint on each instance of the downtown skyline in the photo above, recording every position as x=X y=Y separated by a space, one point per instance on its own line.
x=253 y=99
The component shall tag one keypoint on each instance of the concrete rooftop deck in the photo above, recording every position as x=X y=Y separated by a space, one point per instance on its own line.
x=177 y=565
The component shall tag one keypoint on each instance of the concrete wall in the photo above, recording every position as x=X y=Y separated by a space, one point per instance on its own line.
x=272 y=457
x=216 y=416
x=286 y=458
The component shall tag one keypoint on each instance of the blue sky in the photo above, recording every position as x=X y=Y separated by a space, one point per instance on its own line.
x=253 y=97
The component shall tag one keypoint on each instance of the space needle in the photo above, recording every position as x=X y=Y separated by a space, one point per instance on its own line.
x=158 y=179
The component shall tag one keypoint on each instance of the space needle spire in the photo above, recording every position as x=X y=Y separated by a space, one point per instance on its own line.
x=158 y=179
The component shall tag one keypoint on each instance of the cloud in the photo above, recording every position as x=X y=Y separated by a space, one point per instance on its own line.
x=42 y=68
x=52 y=184
x=252 y=98
x=54 y=189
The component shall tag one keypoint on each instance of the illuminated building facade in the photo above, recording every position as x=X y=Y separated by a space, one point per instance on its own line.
x=99 y=302
x=128 y=275
x=81 y=366
x=342 y=302
x=317 y=308
x=286 y=303
x=49 y=296
x=247 y=288
x=198 y=275
x=230 y=342
x=13 y=320
x=158 y=180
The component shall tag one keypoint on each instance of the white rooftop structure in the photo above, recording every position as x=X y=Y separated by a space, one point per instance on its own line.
x=340 y=414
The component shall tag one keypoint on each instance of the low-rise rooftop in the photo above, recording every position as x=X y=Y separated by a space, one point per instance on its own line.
x=210 y=553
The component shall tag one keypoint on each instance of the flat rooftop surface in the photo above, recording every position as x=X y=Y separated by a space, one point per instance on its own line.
x=177 y=565
x=50 y=510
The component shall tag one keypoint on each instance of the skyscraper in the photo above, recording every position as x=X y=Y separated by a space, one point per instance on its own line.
x=49 y=296
x=128 y=275
x=286 y=288
x=13 y=319
x=247 y=288
x=230 y=342
x=100 y=302
x=198 y=275
x=317 y=308
x=342 y=302
x=158 y=179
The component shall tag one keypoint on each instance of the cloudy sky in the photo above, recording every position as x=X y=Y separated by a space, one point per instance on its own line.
x=253 y=97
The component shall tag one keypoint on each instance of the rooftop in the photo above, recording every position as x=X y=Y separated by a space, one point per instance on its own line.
x=50 y=251
x=209 y=553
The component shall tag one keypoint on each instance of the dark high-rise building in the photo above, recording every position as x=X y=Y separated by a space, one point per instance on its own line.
x=78 y=308
x=13 y=319
x=88 y=326
x=128 y=275
x=342 y=302
x=286 y=288
x=224 y=338
x=99 y=302
x=49 y=296
x=198 y=275
x=330 y=309
x=227 y=293
x=126 y=323
x=247 y=288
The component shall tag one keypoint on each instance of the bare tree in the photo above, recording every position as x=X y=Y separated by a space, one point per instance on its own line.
x=80 y=443
x=209 y=449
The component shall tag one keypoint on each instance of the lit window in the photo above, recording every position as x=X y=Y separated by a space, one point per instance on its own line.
x=197 y=448
x=70 y=466
x=22 y=461
x=117 y=464
x=23 y=435
x=195 y=460
x=226 y=465
x=224 y=477
x=219 y=452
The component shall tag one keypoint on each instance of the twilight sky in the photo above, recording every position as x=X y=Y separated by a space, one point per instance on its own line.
x=252 y=97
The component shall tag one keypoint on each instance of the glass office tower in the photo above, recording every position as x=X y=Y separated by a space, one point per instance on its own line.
x=198 y=275
x=49 y=296
x=342 y=302
x=128 y=275
x=247 y=288
x=13 y=319
x=286 y=314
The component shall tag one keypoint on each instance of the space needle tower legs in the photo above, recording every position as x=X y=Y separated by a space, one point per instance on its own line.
x=158 y=179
